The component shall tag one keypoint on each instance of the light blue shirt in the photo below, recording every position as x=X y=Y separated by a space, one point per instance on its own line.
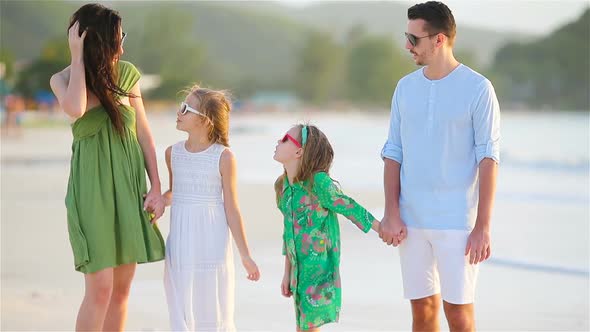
x=440 y=130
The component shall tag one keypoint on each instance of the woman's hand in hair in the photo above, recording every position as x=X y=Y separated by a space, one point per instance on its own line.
x=76 y=42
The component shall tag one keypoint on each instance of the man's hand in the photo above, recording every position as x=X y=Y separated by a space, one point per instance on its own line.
x=392 y=230
x=478 y=245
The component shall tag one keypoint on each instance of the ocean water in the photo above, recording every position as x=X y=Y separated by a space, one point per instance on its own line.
x=541 y=216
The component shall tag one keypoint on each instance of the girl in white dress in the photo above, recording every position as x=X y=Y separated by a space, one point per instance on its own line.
x=199 y=271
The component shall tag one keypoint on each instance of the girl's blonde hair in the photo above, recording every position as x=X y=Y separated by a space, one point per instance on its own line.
x=317 y=157
x=216 y=105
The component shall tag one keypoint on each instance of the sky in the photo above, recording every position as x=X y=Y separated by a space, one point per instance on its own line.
x=529 y=16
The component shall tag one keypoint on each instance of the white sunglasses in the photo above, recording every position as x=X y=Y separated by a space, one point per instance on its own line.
x=184 y=108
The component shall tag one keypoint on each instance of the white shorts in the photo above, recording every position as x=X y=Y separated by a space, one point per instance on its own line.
x=433 y=261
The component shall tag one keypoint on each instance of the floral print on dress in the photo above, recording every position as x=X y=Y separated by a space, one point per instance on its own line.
x=311 y=241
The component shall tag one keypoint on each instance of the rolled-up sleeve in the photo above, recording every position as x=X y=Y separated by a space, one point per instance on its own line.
x=486 y=123
x=393 y=146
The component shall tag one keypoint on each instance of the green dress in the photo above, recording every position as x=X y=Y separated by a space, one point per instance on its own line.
x=106 y=222
x=311 y=241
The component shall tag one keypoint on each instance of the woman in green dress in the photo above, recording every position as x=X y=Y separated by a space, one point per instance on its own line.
x=111 y=215
x=309 y=201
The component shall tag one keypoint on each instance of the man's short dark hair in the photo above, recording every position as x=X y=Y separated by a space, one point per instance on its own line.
x=438 y=17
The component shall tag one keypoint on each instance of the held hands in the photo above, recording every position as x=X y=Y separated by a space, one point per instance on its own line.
x=285 y=288
x=154 y=204
x=76 y=42
x=251 y=268
x=392 y=230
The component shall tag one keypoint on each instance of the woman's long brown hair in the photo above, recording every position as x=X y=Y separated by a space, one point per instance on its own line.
x=101 y=55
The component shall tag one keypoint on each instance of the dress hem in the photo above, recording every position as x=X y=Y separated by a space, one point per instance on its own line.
x=87 y=271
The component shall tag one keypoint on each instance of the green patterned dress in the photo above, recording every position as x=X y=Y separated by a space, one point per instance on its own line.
x=107 y=225
x=311 y=241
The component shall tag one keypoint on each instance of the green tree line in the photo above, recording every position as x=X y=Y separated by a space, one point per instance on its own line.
x=256 y=52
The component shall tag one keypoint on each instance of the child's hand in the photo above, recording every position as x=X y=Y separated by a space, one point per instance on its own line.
x=251 y=268
x=285 y=289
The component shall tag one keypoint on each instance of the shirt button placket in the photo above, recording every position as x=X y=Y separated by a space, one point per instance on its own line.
x=431 y=97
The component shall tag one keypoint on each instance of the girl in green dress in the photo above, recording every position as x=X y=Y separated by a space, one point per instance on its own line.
x=309 y=201
x=111 y=215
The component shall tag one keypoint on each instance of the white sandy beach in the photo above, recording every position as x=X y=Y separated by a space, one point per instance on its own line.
x=537 y=279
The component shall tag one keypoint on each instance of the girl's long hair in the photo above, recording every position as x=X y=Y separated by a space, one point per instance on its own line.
x=216 y=105
x=317 y=157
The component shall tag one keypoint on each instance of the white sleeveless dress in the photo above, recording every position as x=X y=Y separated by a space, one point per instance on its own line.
x=199 y=271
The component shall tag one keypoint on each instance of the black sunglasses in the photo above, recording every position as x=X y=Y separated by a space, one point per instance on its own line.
x=122 y=37
x=414 y=40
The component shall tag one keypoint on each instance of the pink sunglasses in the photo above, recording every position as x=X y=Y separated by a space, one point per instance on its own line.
x=290 y=138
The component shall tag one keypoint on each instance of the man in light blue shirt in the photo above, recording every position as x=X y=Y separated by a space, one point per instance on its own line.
x=441 y=160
